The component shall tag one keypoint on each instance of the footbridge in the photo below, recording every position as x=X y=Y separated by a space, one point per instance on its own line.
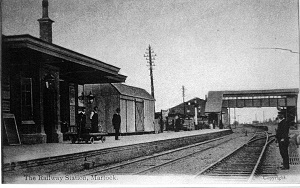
x=218 y=102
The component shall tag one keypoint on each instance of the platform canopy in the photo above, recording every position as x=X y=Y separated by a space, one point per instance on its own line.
x=251 y=98
x=72 y=65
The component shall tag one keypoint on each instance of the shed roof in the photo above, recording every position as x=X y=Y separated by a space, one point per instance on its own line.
x=132 y=91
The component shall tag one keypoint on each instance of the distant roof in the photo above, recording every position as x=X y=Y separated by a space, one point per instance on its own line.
x=132 y=91
x=214 y=101
x=191 y=101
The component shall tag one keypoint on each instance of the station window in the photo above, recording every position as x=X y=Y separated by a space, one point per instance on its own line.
x=27 y=105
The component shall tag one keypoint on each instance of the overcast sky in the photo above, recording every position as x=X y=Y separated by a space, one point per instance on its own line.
x=200 y=44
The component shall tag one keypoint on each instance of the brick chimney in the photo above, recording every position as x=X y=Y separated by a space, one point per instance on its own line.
x=45 y=24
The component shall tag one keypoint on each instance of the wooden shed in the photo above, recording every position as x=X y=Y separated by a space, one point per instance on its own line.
x=136 y=104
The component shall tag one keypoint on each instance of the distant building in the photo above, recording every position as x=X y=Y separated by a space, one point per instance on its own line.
x=189 y=108
x=194 y=108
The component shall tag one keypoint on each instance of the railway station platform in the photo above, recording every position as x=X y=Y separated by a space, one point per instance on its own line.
x=73 y=156
x=292 y=175
x=285 y=177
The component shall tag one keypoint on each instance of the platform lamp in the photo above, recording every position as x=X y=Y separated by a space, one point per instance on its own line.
x=49 y=80
x=81 y=97
x=90 y=97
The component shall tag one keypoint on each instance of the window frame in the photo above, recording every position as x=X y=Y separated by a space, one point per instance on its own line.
x=26 y=82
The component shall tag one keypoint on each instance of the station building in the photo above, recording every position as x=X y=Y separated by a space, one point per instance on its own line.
x=40 y=82
x=193 y=108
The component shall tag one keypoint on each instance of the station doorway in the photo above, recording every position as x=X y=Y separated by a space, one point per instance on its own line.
x=49 y=110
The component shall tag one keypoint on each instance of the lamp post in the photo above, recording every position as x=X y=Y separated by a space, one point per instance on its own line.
x=90 y=98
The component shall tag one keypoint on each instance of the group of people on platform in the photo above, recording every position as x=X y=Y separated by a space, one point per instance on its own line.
x=177 y=123
x=94 y=118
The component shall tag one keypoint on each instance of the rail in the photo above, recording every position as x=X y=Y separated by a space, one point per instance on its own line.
x=216 y=168
x=120 y=165
x=259 y=158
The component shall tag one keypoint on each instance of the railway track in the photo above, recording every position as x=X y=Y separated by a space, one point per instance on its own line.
x=147 y=164
x=243 y=164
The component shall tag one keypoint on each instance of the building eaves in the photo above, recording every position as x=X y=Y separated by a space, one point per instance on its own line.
x=28 y=41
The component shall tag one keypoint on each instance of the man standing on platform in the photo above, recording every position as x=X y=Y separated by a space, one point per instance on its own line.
x=81 y=121
x=116 y=121
x=177 y=123
x=94 y=120
x=282 y=136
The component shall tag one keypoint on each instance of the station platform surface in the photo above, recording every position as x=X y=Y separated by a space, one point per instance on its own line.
x=19 y=153
x=289 y=176
x=284 y=177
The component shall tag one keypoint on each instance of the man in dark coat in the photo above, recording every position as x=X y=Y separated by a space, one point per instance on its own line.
x=94 y=120
x=116 y=121
x=161 y=123
x=282 y=136
x=177 y=123
x=81 y=121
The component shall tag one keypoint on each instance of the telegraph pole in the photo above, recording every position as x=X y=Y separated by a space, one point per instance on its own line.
x=150 y=57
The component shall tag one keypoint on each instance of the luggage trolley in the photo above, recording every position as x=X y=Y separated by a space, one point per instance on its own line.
x=79 y=135
x=87 y=137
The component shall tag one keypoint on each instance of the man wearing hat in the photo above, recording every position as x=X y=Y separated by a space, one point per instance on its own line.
x=81 y=121
x=282 y=136
x=94 y=120
x=116 y=121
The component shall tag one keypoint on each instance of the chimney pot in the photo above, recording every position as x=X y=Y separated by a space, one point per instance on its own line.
x=45 y=5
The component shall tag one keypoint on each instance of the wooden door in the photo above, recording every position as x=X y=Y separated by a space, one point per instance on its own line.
x=139 y=116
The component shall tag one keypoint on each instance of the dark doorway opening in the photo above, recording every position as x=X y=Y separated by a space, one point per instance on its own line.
x=49 y=110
